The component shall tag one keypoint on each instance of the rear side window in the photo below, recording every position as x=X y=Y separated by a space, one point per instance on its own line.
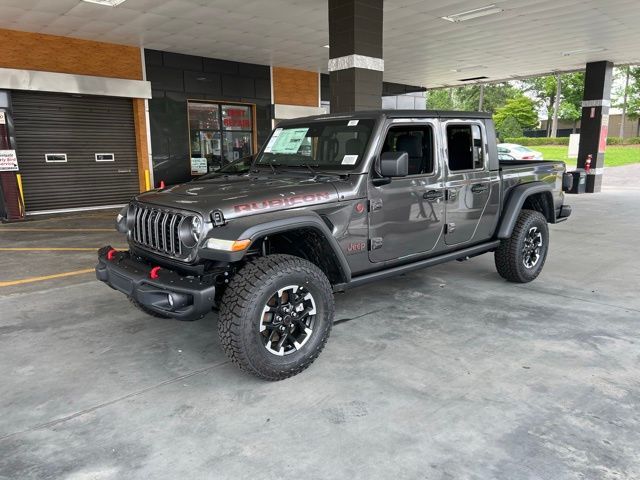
x=464 y=144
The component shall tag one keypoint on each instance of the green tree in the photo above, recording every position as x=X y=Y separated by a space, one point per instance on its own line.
x=522 y=109
x=467 y=97
x=441 y=99
x=633 y=92
x=495 y=96
x=544 y=89
x=509 y=128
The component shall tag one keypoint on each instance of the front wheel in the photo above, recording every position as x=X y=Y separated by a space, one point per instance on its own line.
x=275 y=316
x=520 y=258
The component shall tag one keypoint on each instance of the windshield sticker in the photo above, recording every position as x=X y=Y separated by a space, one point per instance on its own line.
x=289 y=140
x=272 y=140
x=349 y=159
x=352 y=123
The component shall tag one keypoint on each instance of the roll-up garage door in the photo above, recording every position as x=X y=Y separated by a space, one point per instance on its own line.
x=75 y=151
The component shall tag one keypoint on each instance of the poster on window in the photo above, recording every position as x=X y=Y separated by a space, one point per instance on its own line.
x=8 y=161
x=198 y=166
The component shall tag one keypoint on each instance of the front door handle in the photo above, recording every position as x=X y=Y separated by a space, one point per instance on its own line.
x=433 y=195
x=479 y=188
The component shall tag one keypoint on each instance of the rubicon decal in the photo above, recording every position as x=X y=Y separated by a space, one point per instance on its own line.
x=292 y=201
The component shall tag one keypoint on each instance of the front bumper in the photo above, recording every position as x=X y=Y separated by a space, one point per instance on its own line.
x=172 y=294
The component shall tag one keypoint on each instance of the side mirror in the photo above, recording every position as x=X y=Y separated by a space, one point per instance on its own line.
x=394 y=164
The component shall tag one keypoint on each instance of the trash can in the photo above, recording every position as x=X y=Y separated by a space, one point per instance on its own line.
x=579 y=181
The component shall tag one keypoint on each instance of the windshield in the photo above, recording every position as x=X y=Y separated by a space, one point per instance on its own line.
x=326 y=144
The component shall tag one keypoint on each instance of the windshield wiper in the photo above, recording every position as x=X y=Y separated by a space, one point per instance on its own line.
x=273 y=168
x=309 y=167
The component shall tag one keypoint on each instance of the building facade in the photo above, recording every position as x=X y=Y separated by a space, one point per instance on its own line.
x=87 y=125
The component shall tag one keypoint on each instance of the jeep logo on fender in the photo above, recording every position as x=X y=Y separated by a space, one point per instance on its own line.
x=283 y=202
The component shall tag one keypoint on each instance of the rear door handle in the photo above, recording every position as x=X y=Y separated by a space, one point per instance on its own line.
x=479 y=188
x=433 y=195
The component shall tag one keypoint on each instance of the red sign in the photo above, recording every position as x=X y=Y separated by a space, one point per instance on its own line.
x=604 y=131
x=237 y=122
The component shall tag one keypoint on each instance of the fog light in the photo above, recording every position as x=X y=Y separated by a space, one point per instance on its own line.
x=170 y=299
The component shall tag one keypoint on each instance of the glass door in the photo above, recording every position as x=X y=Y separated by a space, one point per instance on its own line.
x=219 y=134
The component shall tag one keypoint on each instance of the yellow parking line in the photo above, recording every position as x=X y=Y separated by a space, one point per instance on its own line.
x=11 y=229
x=46 y=277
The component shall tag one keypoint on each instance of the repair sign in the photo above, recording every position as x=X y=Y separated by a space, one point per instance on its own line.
x=8 y=161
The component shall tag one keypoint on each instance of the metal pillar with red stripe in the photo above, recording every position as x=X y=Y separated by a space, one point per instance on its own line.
x=594 y=125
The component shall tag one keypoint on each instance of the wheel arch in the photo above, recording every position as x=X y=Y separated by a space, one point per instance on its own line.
x=305 y=235
x=532 y=196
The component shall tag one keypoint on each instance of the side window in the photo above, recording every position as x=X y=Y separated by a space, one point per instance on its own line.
x=417 y=141
x=465 y=146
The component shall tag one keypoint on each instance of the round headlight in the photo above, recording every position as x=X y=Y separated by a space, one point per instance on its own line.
x=196 y=228
x=190 y=230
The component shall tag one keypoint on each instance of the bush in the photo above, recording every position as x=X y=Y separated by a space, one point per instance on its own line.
x=533 y=141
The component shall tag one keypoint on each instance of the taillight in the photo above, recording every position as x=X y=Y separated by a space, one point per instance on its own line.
x=529 y=157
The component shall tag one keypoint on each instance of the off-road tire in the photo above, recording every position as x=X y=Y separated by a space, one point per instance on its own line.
x=144 y=309
x=241 y=311
x=509 y=255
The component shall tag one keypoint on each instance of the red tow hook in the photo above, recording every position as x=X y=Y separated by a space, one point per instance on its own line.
x=111 y=254
x=154 y=273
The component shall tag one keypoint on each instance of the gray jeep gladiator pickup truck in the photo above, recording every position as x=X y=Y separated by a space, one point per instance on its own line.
x=330 y=202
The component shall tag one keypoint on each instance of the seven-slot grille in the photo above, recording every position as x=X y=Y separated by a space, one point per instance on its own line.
x=157 y=229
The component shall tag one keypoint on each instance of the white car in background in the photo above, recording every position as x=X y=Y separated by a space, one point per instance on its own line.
x=518 y=152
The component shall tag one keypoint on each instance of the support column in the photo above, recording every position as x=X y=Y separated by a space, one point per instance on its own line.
x=355 y=54
x=594 y=125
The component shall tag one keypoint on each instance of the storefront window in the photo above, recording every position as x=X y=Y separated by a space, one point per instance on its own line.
x=220 y=134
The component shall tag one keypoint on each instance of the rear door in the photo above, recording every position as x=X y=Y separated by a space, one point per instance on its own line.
x=470 y=186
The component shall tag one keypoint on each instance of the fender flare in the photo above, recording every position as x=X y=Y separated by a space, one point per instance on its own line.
x=514 y=204
x=254 y=227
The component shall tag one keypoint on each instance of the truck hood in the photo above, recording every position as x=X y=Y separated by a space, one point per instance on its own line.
x=241 y=195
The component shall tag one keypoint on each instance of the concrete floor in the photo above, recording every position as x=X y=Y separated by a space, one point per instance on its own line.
x=447 y=373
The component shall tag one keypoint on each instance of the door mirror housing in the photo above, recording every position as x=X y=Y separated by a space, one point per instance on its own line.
x=394 y=164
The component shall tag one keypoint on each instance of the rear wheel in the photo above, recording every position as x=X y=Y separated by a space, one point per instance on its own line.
x=520 y=258
x=276 y=316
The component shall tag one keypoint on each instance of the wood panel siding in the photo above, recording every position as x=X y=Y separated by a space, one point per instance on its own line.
x=295 y=87
x=52 y=53
x=142 y=151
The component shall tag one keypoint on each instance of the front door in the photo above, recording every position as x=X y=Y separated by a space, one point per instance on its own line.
x=406 y=215
x=469 y=182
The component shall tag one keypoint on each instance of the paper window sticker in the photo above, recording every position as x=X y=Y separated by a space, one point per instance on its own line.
x=349 y=159
x=272 y=140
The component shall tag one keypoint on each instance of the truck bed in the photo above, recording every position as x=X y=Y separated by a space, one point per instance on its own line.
x=509 y=164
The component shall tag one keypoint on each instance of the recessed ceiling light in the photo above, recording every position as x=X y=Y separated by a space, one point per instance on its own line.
x=583 y=50
x=470 y=67
x=106 y=3
x=325 y=46
x=475 y=13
